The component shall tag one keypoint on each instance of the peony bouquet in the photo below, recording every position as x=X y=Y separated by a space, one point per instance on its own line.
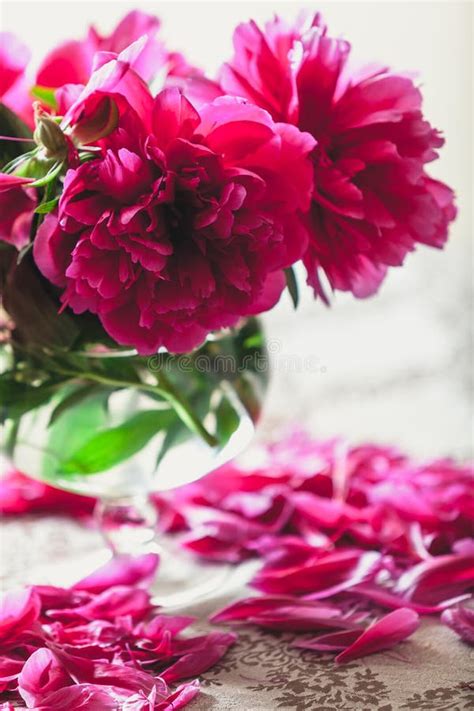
x=148 y=211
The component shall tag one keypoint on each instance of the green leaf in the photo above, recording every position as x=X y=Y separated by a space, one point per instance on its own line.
x=51 y=175
x=227 y=421
x=45 y=207
x=110 y=447
x=17 y=397
x=74 y=426
x=175 y=435
x=178 y=433
x=292 y=285
x=72 y=399
x=46 y=95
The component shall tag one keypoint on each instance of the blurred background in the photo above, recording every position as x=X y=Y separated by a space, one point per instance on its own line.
x=396 y=368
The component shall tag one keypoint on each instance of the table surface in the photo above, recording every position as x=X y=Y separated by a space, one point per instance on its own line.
x=433 y=671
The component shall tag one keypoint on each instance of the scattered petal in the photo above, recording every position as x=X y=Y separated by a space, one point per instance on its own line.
x=120 y=570
x=461 y=620
x=382 y=634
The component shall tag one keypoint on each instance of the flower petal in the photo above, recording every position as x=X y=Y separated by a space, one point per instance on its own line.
x=382 y=634
x=120 y=570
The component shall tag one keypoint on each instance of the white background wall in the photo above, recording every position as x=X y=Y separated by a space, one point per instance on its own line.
x=395 y=368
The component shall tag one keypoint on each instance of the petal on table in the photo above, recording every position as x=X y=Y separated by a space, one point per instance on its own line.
x=120 y=570
x=41 y=675
x=19 y=610
x=382 y=634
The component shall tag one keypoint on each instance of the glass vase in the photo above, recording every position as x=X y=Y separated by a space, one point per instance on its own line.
x=120 y=427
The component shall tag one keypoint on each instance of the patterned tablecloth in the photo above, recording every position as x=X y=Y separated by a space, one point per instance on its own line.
x=433 y=671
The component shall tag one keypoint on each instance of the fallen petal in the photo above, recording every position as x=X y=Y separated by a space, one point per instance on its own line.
x=333 y=642
x=382 y=634
x=19 y=610
x=120 y=570
x=41 y=675
x=195 y=663
x=461 y=620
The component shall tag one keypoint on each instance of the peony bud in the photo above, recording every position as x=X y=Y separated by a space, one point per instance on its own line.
x=49 y=136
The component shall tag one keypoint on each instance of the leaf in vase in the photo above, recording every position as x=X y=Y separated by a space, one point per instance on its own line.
x=79 y=414
x=17 y=397
x=178 y=433
x=110 y=447
x=72 y=399
x=227 y=421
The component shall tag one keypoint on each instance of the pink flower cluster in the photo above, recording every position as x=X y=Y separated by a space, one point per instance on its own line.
x=100 y=645
x=187 y=220
x=342 y=532
x=193 y=202
x=372 y=199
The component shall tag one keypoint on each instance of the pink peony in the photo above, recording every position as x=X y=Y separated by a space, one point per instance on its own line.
x=14 y=89
x=184 y=222
x=72 y=62
x=372 y=201
x=14 y=57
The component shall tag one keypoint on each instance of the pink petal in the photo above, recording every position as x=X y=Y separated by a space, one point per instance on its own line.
x=155 y=628
x=114 y=602
x=285 y=614
x=173 y=116
x=119 y=676
x=438 y=578
x=388 y=598
x=120 y=570
x=461 y=620
x=83 y=697
x=332 y=642
x=19 y=610
x=179 y=698
x=213 y=648
x=383 y=634
x=323 y=576
x=14 y=56
x=8 y=180
x=41 y=675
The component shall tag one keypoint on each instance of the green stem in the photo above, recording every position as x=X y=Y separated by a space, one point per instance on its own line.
x=184 y=410
x=179 y=403
x=11 y=436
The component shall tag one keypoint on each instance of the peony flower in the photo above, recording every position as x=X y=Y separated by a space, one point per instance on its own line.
x=14 y=57
x=72 y=62
x=14 y=90
x=184 y=222
x=373 y=201
x=17 y=205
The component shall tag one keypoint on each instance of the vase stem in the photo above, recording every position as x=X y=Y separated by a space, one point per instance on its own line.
x=128 y=524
